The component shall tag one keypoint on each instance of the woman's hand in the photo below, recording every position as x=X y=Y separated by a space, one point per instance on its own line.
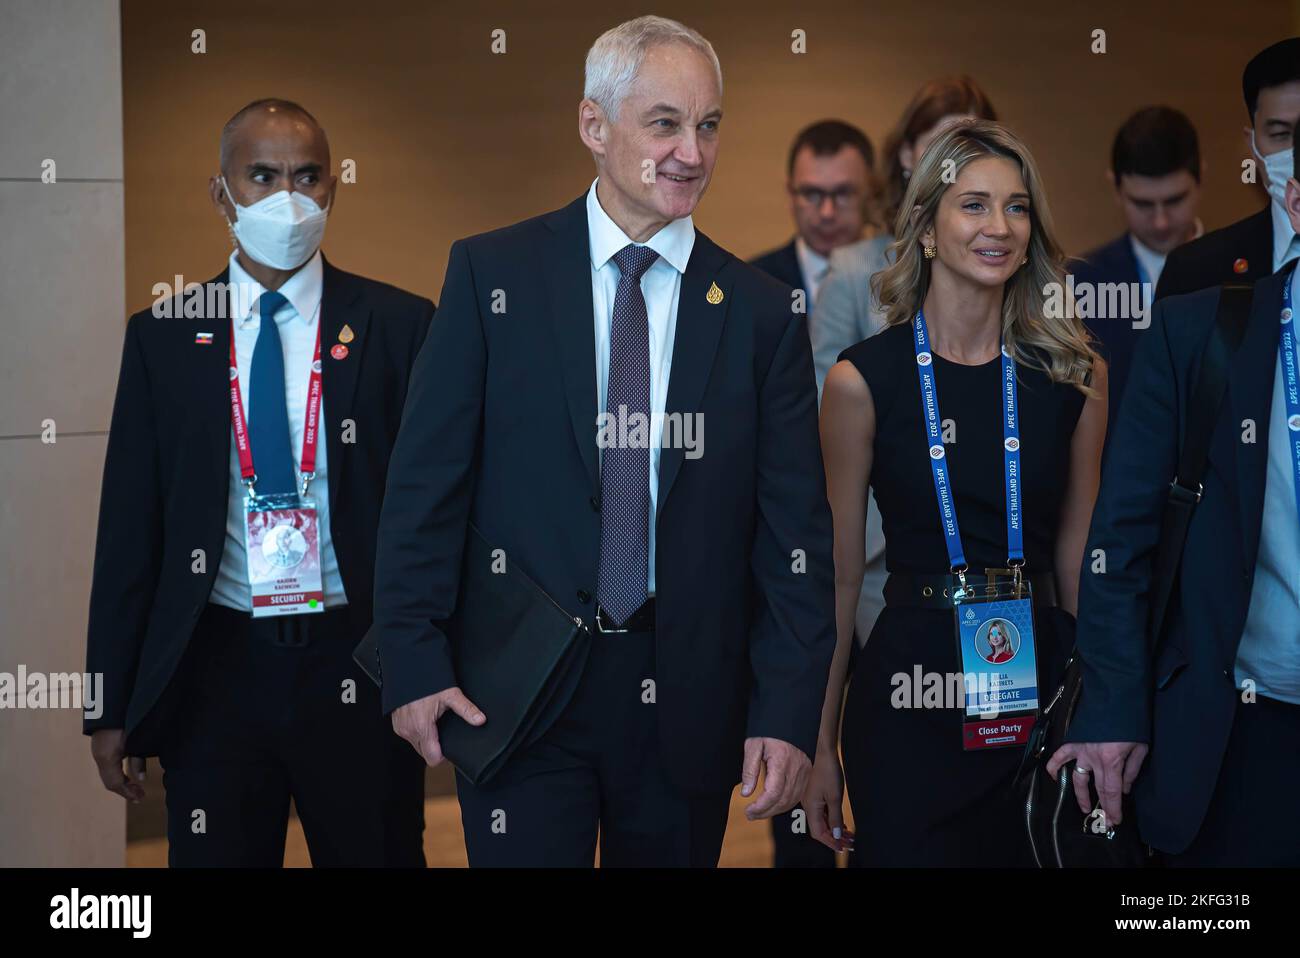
x=823 y=802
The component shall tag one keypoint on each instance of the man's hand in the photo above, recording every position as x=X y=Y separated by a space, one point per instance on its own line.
x=417 y=721
x=784 y=780
x=1112 y=765
x=107 y=748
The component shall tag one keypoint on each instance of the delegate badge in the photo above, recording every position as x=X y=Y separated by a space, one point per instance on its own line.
x=995 y=636
x=281 y=537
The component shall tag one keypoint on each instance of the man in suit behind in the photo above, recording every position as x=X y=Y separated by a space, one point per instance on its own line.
x=830 y=184
x=705 y=575
x=244 y=711
x=1155 y=168
x=829 y=181
x=1259 y=245
x=1215 y=699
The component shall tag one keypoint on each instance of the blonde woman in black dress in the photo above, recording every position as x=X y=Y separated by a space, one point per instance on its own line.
x=974 y=262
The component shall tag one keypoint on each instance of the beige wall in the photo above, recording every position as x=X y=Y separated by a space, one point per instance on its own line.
x=450 y=139
x=61 y=267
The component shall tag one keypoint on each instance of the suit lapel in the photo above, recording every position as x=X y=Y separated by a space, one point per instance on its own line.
x=568 y=276
x=1128 y=260
x=1250 y=390
x=340 y=306
x=212 y=374
x=699 y=327
x=1257 y=250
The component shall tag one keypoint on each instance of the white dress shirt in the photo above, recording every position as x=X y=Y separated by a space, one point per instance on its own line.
x=661 y=286
x=1286 y=245
x=298 y=320
x=814 y=267
x=1151 y=263
x=1269 y=653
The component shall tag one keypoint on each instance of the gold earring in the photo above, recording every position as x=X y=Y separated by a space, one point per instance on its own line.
x=930 y=251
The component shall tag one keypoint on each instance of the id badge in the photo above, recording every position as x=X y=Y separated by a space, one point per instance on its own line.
x=999 y=661
x=282 y=543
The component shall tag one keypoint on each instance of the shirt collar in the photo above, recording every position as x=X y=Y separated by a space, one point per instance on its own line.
x=302 y=289
x=673 y=243
x=1152 y=261
x=811 y=263
x=1283 y=234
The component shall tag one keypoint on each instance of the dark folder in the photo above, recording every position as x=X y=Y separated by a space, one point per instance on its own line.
x=518 y=656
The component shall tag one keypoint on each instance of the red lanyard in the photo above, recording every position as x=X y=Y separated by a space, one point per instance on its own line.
x=310 y=424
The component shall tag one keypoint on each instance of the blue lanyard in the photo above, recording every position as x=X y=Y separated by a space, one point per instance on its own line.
x=939 y=460
x=1286 y=349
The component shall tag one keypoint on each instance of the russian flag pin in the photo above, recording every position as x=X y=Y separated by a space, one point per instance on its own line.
x=203 y=339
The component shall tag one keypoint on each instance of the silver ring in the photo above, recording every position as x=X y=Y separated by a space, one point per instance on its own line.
x=1080 y=770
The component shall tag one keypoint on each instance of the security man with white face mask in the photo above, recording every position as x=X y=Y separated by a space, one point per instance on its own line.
x=1261 y=244
x=245 y=471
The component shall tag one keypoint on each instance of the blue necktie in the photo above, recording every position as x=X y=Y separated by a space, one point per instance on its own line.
x=621 y=585
x=268 y=427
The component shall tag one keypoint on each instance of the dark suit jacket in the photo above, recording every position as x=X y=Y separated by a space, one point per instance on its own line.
x=1181 y=701
x=167 y=477
x=1209 y=259
x=500 y=429
x=1112 y=263
x=782 y=263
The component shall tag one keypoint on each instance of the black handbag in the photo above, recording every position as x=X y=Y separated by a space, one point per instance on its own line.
x=517 y=655
x=1060 y=835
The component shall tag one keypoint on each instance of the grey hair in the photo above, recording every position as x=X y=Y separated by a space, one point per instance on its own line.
x=617 y=54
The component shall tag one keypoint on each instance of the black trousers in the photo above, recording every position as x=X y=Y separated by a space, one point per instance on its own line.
x=274 y=709
x=597 y=771
x=792 y=845
x=1253 y=818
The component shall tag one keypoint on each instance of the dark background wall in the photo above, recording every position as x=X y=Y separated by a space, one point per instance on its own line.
x=450 y=139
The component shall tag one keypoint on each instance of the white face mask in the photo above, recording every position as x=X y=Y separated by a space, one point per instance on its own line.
x=282 y=230
x=1279 y=166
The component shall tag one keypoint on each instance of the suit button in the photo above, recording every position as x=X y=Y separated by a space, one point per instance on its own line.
x=584 y=596
x=595 y=503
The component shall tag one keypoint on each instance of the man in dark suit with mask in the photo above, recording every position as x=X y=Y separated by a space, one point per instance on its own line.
x=702 y=569
x=224 y=628
x=1201 y=722
x=1259 y=245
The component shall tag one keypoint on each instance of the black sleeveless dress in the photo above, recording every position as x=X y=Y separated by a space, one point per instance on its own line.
x=917 y=797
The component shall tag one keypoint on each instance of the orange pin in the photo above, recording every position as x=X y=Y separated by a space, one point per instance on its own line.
x=1240 y=266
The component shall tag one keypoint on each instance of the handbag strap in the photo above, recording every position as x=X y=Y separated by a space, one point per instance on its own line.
x=1185 y=489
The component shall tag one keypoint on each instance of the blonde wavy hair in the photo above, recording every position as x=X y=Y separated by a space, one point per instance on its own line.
x=1058 y=347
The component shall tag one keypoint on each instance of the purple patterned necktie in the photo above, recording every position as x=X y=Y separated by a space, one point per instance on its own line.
x=621 y=586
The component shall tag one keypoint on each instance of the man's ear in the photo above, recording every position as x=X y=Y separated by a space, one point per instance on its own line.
x=220 y=199
x=591 y=126
x=1293 y=203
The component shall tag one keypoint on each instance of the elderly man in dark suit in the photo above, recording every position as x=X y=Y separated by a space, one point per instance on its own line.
x=703 y=574
x=282 y=378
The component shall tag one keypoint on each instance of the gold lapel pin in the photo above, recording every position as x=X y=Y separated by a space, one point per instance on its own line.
x=714 y=295
x=346 y=335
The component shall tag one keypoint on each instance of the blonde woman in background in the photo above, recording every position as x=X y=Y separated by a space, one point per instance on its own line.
x=844 y=311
